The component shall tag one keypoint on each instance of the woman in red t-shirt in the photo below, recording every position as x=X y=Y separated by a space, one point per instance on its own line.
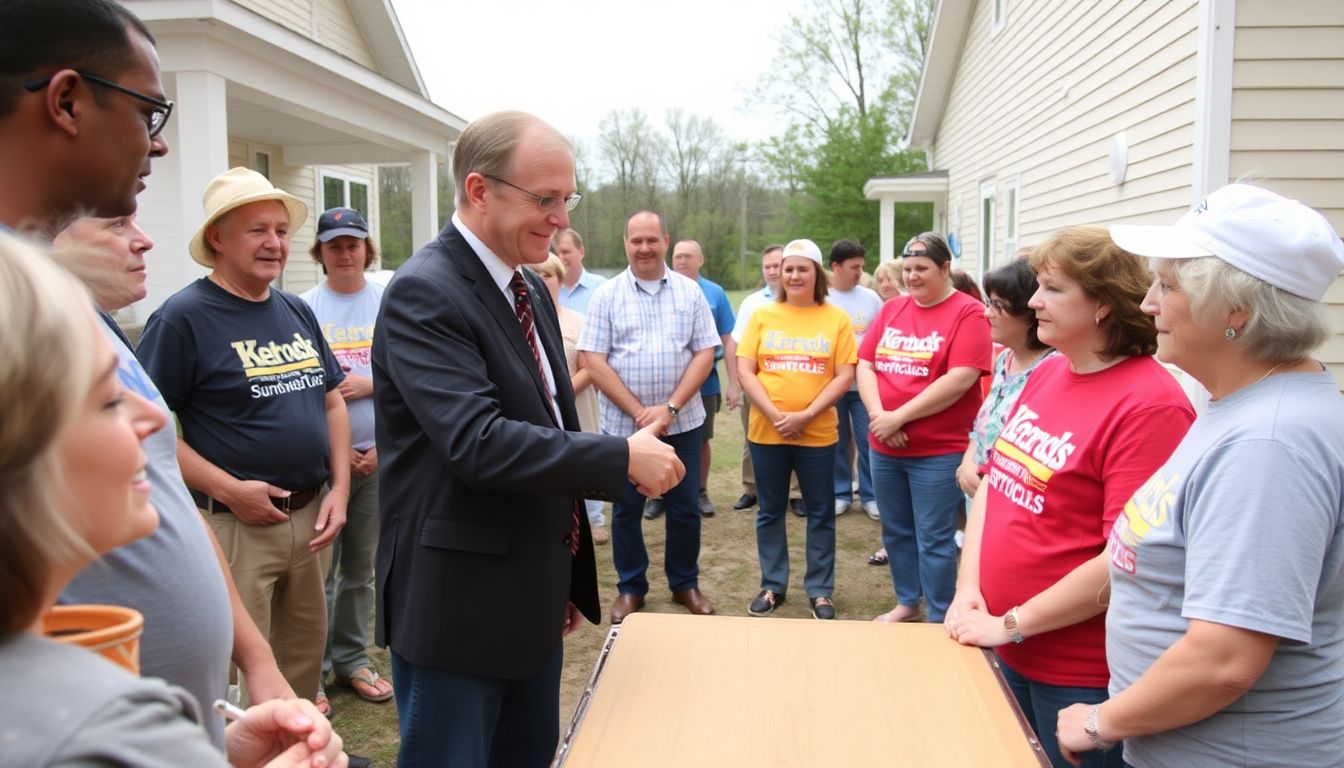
x=1090 y=426
x=918 y=367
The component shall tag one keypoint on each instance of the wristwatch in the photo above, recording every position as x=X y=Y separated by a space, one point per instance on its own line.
x=1090 y=728
x=672 y=407
x=1010 y=625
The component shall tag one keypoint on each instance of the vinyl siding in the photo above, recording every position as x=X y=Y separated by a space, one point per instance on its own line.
x=328 y=22
x=1042 y=99
x=1288 y=115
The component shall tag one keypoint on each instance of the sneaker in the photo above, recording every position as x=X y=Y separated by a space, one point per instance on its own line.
x=765 y=603
x=822 y=608
x=706 y=506
x=797 y=508
x=745 y=501
x=841 y=506
x=871 y=508
x=653 y=509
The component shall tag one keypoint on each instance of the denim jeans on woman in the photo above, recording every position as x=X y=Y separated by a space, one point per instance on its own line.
x=814 y=467
x=1041 y=704
x=918 y=499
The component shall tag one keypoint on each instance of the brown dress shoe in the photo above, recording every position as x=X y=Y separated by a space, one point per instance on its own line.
x=694 y=601
x=624 y=606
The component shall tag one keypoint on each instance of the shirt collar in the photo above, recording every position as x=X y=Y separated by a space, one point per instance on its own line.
x=500 y=272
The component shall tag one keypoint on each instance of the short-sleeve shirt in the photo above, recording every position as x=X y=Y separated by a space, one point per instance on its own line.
x=796 y=350
x=723 y=324
x=1003 y=392
x=649 y=340
x=247 y=381
x=750 y=304
x=347 y=324
x=910 y=347
x=862 y=305
x=1242 y=527
x=1072 y=451
x=577 y=298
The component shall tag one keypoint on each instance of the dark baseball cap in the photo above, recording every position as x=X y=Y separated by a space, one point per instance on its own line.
x=338 y=222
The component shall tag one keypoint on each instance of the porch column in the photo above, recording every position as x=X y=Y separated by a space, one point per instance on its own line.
x=424 y=198
x=170 y=208
x=887 y=227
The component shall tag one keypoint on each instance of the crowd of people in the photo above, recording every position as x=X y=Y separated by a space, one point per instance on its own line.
x=1151 y=570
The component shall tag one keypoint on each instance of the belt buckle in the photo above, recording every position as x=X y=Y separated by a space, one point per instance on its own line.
x=281 y=503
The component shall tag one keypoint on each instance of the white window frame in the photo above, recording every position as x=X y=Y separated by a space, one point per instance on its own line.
x=345 y=178
x=985 y=245
x=999 y=9
x=1012 y=217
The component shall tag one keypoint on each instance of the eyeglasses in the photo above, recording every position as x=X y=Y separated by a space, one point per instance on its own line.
x=1000 y=306
x=545 y=203
x=157 y=118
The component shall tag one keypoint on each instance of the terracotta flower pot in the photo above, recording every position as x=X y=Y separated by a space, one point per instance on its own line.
x=108 y=630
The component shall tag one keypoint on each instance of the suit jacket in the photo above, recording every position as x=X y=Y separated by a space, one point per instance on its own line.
x=477 y=483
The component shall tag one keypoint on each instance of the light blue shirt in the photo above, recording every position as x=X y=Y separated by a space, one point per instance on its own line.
x=649 y=339
x=577 y=298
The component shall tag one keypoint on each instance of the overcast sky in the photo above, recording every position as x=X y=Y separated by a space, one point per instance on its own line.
x=573 y=62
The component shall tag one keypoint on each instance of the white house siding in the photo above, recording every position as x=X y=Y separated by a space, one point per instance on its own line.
x=1288 y=114
x=328 y=22
x=1041 y=99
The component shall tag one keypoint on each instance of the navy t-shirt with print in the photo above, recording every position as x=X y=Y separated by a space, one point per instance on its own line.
x=247 y=381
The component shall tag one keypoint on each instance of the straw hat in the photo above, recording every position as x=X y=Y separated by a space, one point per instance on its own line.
x=235 y=188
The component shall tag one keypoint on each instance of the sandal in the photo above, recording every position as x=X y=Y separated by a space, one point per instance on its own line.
x=367 y=685
x=879 y=557
x=323 y=704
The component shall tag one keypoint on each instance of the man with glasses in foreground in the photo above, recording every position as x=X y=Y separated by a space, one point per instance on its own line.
x=485 y=558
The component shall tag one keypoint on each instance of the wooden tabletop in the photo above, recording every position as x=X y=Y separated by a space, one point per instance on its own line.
x=672 y=690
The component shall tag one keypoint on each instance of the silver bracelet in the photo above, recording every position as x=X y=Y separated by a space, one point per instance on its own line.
x=1090 y=728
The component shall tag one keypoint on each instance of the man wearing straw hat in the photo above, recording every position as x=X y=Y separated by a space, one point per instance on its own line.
x=253 y=384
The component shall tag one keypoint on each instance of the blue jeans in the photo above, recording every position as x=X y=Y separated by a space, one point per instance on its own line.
x=773 y=465
x=1041 y=704
x=681 y=559
x=919 y=499
x=350 y=581
x=449 y=719
x=853 y=421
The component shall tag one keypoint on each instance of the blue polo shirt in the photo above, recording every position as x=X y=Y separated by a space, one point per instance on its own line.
x=723 y=325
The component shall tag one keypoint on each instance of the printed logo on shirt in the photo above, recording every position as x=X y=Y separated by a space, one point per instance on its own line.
x=781 y=353
x=1025 y=458
x=1149 y=508
x=351 y=344
x=283 y=368
x=906 y=355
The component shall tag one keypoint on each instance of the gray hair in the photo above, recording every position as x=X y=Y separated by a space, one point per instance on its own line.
x=1280 y=326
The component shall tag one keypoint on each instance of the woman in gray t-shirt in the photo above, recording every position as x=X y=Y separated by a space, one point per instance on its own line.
x=1225 y=634
x=74 y=488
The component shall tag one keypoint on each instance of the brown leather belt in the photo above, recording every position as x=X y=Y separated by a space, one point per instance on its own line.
x=295 y=500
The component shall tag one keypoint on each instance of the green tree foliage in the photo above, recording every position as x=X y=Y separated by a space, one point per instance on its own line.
x=848 y=76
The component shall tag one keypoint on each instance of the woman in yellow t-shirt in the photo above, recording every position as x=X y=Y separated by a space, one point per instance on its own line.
x=796 y=358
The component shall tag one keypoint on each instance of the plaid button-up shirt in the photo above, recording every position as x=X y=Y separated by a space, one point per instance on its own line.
x=649 y=339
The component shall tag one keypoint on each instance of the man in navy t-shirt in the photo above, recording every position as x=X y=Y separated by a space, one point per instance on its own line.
x=254 y=386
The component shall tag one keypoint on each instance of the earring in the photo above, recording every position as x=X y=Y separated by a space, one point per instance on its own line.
x=1097 y=320
x=1230 y=333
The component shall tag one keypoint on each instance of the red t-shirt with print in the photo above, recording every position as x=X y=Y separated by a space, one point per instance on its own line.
x=910 y=347
x=1073 y=449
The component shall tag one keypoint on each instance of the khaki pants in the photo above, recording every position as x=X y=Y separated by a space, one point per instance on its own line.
x=281 y=584
x=748 y=472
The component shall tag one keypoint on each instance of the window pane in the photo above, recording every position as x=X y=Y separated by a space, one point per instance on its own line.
x=1012 y=213
x=333 y=192
x=986 y=226
x=359 y=197
x=261 y=163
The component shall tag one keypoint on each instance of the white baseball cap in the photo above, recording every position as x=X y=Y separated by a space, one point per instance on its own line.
x=805 y=248
x=1265 y=235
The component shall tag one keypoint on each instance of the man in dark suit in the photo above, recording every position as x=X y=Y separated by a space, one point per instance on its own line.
x=485 y=559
